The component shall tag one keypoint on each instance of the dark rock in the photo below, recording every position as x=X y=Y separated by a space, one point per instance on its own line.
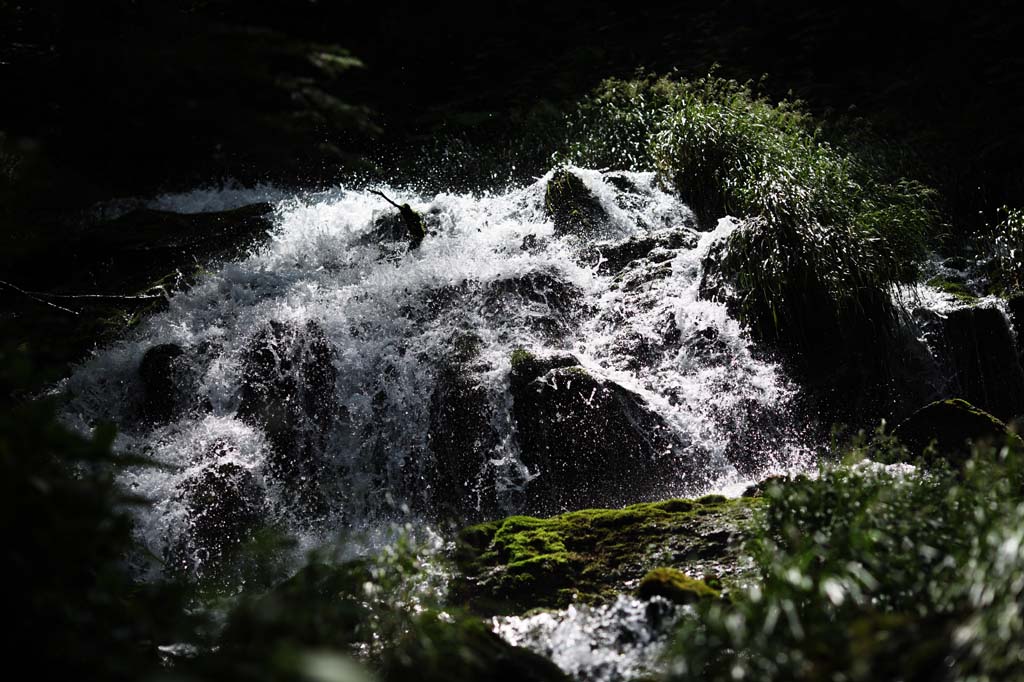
x=224 y=506
x=550 y=304
x=128 y=253
x=953 y=425
x=288 y=378
x=573 y=208
x=462 y=439
x=584 y=437
x=983 y=358
x=163 y=372
x=614 y=256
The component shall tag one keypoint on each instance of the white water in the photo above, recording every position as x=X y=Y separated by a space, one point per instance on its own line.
x=618 y=641
x=392 y=316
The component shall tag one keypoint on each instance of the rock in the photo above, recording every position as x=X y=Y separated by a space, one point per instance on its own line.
x=393 y=226
x=954 y=425
x=288 y=378
x=128 y=253
x=584 y=436
x=549 y=304
x=164 y=375
x=572 y=206
x=674 y=585
x=462 y=439
x=983 y=358
x=224 y=506
x=520 y=563
x=614 y=256
x=439 y=649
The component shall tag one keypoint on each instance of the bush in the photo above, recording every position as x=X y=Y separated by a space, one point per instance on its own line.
x=874 y=575
x=825 y=231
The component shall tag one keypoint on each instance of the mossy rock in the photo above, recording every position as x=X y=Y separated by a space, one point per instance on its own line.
x=674 y=585
x=958 y=290
x=952 y=426
x=572 y=206
x=523 y=562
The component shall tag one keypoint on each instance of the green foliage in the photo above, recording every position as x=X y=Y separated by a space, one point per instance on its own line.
x=1008 y=248
x=80 y=614
x=872 y=575
x=824 y=230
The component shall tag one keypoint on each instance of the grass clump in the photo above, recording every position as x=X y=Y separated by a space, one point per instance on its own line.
x=870 y=574
x=824 y=230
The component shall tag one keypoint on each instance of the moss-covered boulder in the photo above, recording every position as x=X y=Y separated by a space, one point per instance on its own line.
x=674 y=585
x=951 y=426
x=288 y=379
x=982 y=357
x=522 y=562
x=572 y=206
x=584 y=436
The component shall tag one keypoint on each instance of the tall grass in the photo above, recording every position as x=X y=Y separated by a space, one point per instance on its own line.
x=1008 y=251
x=825 y=230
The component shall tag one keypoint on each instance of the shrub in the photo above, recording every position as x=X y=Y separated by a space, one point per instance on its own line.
x=874 y=575
x=825 y=231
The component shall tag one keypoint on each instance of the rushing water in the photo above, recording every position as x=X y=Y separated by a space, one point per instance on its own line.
x=372 y=326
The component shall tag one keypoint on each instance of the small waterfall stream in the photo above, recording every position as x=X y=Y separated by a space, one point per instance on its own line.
x=309 y=381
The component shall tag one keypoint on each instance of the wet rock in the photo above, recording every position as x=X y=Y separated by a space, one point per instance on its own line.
x=164 y=373
x=462 y=438
x=549 y=304
x=953 y=426
x=612 y=257
x=288 y=378
x=572 y=206
x=983 y=358
x=224 y=506
x=592 y=555
x=585 y=437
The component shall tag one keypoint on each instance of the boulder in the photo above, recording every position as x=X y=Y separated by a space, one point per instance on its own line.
x=572 y=206
x=612 y=257
x=983 y=359
x=520 y=563
x=953 y=426
x=462 y=440
x=1015 y=306
x=224 y=506
x=288 y=378
x=589 y=441
x=164 y=373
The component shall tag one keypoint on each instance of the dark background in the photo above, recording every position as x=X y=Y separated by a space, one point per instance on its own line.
x=122 y=97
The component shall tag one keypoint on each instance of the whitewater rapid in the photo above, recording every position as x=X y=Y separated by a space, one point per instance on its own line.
x=492 y=269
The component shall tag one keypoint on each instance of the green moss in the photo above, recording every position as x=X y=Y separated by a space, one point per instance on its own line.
x=523 y=562
x=521 y=357
x=675 y=586
x=957 y=289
